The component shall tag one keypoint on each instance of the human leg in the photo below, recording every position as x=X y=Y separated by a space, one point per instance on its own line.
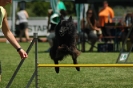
x=99 y=33
x=82 y=40
x=27 y=35
x=21 y=35
x=92 y=37
x=93 y=42
x=25 y=26
x=108 y=31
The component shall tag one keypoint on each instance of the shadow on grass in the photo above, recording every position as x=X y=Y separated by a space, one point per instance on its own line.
x=42 y=52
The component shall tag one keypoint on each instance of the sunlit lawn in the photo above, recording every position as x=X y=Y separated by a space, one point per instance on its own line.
x=99 y=77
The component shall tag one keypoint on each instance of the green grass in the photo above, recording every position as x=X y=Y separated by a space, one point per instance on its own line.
x=68 y=77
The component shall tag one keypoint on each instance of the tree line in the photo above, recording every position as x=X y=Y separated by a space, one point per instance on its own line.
x=40 y=9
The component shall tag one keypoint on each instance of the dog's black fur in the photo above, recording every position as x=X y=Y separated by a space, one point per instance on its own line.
x=64 y=43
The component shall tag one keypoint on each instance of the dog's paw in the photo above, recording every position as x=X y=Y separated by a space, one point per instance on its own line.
x=57 y=69
x=78 y=68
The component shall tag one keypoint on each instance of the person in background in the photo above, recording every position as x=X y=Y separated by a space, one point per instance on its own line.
x=61 y=6
x=22 y=16
x=89 y=27
x=50 y=27
x=106 y=15
x=6 y=30
x=53 y=19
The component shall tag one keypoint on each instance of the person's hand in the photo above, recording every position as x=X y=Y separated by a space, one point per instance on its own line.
x=22 y=54
x=97 y=28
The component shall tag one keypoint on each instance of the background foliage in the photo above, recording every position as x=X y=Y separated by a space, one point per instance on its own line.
x=39 y=9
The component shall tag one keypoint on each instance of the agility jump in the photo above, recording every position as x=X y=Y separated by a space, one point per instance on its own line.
x=35 y=74
x=85 y=65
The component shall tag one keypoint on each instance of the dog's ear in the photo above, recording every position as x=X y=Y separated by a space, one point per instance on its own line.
x=70 y=18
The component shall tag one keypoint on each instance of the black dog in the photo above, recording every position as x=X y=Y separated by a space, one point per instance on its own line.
x=65 y=42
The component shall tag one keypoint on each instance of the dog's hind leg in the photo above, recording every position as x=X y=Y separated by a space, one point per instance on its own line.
x=74 y=57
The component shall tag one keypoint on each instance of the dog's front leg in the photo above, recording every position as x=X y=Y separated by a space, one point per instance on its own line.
x=56 y=68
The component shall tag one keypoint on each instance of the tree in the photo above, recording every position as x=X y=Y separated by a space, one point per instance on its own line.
x=41 y=8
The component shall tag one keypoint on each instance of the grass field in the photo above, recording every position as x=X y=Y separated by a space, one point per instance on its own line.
x=68 y=77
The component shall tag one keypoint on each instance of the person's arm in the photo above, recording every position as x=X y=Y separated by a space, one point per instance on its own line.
x=111 y=13
x=27 y=16
x=90 y=24
x=96 y=25
x=10 y=37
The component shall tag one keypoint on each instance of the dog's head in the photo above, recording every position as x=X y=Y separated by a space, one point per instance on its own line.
x=66 y=27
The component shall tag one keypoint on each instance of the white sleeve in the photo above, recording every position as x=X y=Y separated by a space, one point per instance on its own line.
x=2 y=15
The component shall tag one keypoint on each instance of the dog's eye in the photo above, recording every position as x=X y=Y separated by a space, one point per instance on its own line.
x=62 y=28
x=65 y=28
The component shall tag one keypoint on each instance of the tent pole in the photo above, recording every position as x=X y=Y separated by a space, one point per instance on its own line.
x=13 y=16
